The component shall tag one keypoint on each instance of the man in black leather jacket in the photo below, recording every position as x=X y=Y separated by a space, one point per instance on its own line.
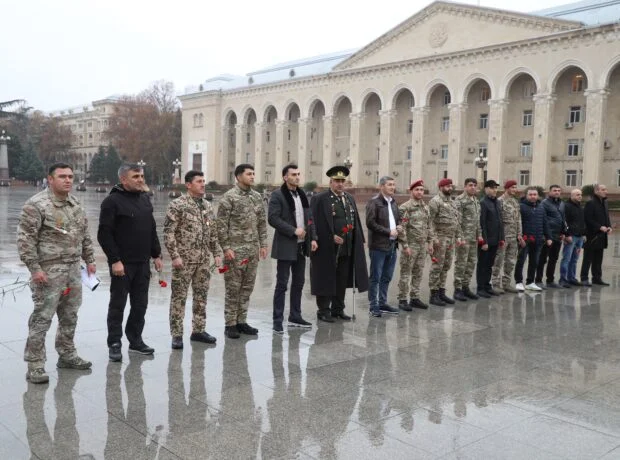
x=554 y=209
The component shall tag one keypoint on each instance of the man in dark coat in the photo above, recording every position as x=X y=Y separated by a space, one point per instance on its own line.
x=128 y=236
x=554 y=209
x=492 y=228
x=598 y=226
x=293 y=240
x=340 y=257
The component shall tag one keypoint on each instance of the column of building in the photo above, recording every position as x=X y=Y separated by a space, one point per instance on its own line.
x=498 y=109
x=543 y=133
x=596 y=102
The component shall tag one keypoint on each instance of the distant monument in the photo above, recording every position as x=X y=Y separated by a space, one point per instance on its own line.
x=5 y=181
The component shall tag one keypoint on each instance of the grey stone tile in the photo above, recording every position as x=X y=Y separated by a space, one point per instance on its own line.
x=562 y=438
x=431 y=431
x=589 y=413
x=498 y=446
x=11 y=447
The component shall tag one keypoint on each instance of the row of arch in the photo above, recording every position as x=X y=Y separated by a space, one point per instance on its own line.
x=461 y=94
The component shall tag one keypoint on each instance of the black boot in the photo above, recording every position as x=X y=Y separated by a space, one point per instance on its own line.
x=460 y=295
x=444 y=297
x=404 y=305
x=417 y=303
x=231 y=332
x=435 y=299
x=469 y=293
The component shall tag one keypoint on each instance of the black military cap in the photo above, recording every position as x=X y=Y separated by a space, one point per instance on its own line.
x=491 y=183
x=338 y=172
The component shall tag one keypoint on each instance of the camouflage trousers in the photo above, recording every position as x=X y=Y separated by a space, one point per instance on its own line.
x=411 y=268
x=61 y=295
x=198 y=275
x=505 y=259
x=443 y=254
x=465 y=263
x=239 y=281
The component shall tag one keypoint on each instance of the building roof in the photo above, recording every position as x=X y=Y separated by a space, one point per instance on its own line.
x=587 y=12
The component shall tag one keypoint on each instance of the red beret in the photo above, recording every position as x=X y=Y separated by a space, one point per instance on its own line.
x=509 y=183
x=416 y=184
x=444 y=182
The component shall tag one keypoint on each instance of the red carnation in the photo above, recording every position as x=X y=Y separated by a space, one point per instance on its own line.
x=309 y=221
x=163 y=284
x=480 y=241
x=244 y=262
x=345 y=230
x=502 y=243
x=434 y=260
x=67 y=291
x=524 y=237
x=223 y=269
x=532 y=238
x=350 y=226
x=404 y=220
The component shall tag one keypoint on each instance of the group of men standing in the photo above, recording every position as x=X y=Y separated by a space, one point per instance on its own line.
x=492 y=235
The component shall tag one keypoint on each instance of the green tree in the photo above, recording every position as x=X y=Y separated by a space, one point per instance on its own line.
x=97 y=166
x=112 y=163
x=30 y=168
x=15 y=152
x=4 y=106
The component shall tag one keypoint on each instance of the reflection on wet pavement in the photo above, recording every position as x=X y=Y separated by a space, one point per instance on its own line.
x=518 y=376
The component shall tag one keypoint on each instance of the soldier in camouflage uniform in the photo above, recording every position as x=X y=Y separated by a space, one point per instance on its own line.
x=469 y=212
x=52 y=236
x=242 y=234
x=507 y=255
x=416 y=241
x=447 y=232
x=190 y=236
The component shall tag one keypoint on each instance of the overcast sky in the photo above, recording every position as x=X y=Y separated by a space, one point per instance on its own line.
x=63 y=53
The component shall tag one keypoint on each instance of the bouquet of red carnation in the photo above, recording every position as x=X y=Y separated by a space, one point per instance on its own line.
x=162 y=281
x=481 y=241
x=66 y=291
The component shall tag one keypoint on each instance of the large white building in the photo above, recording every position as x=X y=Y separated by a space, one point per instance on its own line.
x=537 y=94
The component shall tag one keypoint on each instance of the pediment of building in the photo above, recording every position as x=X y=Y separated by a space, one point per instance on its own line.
x=444 y=27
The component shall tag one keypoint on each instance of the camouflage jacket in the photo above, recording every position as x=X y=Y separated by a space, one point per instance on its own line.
x=469 y=212
x=416 y=222
x=191 y=232
x=53 y=231
x=445 y=216
x=511 y=215
x=241 y=221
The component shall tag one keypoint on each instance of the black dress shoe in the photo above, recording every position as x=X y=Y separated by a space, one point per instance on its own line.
x=600 y=283
x=575 y=283
x=325 y=317
x=177 y=343
x=246 y=329
x=203 y=337
x=484 y=294
x=342 y=315
x=115 y=352
x=141 y=348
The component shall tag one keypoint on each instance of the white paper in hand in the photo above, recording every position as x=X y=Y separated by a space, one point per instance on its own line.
x=88 y=280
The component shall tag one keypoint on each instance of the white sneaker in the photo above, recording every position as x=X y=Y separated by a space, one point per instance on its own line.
x=519 y=287
x=533 y=287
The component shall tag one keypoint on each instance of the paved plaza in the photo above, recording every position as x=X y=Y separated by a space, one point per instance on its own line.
x=529 y=376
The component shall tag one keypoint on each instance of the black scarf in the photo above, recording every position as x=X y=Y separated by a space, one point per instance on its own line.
x=289 y=198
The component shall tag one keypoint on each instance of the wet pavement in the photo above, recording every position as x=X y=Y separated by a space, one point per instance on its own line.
x=518 y=376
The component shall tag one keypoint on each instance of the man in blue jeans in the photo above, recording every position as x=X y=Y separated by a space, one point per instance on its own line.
x=573 y=242
x=383 y=222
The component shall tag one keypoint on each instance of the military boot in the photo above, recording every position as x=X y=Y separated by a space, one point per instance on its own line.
x=444 y=297
x=435 y=299
x=404 y=305
x=469 y=293
x=460 y=295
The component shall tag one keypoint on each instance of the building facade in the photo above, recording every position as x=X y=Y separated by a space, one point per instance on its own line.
x=88 y=126
x=537 y=95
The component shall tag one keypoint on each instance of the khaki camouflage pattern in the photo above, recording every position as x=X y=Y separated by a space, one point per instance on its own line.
x=199 y=276
x=49 y=299
x=190 y=232
x=445 y=219
x=466 y=256
x=242 y=221
x=239 y=281
x=242 y=227
x=416 y=235
x=53 y=231
x=443 y=253
x=506 y=258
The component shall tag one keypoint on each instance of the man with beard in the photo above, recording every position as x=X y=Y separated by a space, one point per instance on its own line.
x=575 y=238
x=492 y=238
x=340 y=257
x=293 y=240
x=466 y=255
x=554 y=208
x=598 y=226
x=128 y=236
x=447 y=230
x=504 y=266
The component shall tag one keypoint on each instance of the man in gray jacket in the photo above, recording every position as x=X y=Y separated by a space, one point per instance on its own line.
x=295 y=236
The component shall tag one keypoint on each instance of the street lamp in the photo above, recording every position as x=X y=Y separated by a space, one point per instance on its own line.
x=4 y=159
x=481 y=163
x=177 y=166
